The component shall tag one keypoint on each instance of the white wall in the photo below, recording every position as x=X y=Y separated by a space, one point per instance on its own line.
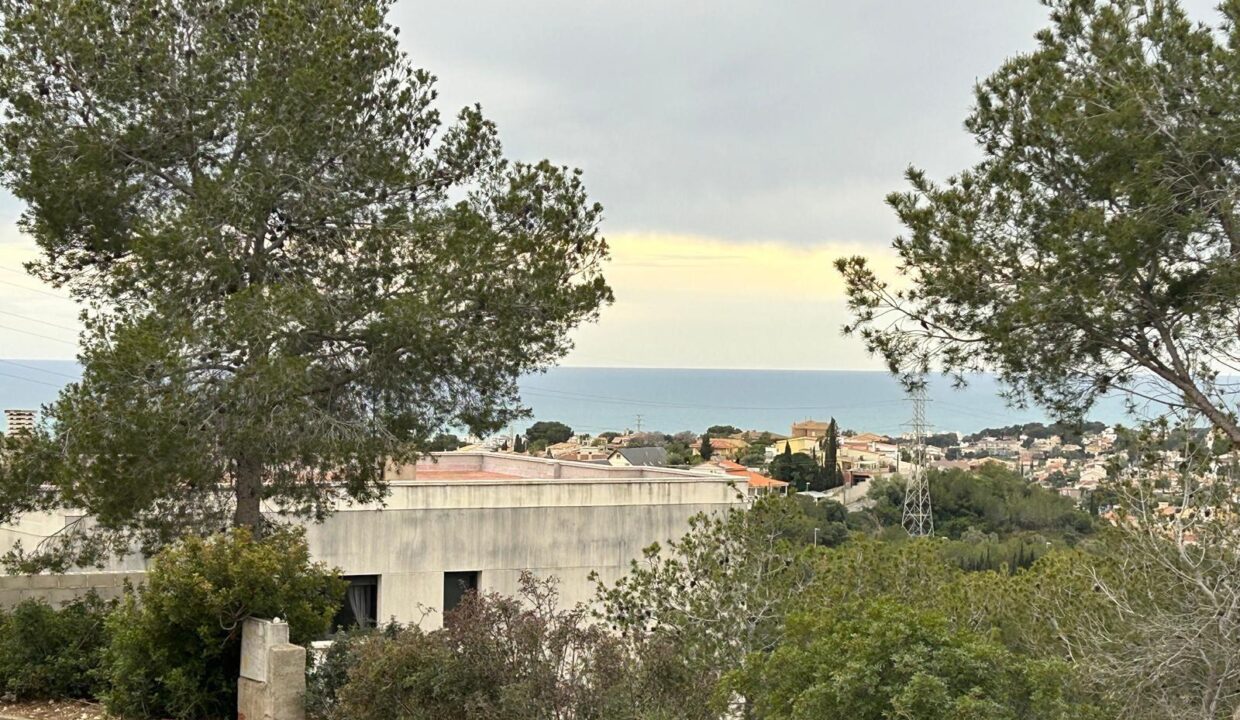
x=564 y=519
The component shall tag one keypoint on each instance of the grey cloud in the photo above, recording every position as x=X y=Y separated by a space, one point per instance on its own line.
x=748 y=121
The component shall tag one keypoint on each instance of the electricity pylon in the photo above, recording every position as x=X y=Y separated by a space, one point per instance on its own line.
x=918 y=520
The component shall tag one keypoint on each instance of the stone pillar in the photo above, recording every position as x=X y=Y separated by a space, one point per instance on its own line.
x=272 y=685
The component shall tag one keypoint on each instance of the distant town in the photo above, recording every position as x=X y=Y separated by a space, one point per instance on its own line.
x=1072 y=460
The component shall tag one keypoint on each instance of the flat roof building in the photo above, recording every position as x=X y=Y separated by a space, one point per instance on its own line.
x=476 y=520
x=18 y=421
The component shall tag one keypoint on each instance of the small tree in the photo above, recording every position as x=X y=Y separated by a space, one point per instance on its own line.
x=176 y=643
x=707 y=449
x=518 y=445
x=714 y=596
x=548 y=433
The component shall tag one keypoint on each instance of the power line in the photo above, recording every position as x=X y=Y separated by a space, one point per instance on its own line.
x=31 y=380
x=39 y=369
x=37 y=320
x=38 y=335
x=37 y=290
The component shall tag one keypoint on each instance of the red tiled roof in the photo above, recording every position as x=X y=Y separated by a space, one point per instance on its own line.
x=757 y=480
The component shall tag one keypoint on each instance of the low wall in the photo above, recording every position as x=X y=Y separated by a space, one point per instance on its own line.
x=60 y=589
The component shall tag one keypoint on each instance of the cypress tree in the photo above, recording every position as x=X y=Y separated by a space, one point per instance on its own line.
x=832 y=455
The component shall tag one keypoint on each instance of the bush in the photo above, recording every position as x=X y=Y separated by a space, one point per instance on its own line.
x=176 y=644
x=882 y=659
x=331 y=672
x=496 y=657
x=47 y=653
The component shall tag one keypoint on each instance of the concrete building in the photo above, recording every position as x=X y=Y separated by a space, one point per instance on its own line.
x=458 y=521
x=810 y=429
x=19 y=421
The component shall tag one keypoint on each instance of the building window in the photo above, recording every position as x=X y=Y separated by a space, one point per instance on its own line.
x=456 y=585
x=361 y=603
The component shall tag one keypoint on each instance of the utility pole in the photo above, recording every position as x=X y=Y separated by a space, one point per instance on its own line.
x=918 y=520
x=638 y=422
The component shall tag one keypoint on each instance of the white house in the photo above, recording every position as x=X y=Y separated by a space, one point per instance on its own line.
x=457 y=521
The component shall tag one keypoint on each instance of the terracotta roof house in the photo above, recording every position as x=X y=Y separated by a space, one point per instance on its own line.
x=757 y=483
x=728 y=447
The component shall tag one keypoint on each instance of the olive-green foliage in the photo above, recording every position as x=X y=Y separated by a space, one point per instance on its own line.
x=548 y=432
x=496 y=658
x=992 y=499
x=827 y=516
x=715 y=595
x=175 y=644
x=1031 y=611
x=980 y=551
x=880 y=660
x=50 y=653
x=330 y=672
x=803 y=472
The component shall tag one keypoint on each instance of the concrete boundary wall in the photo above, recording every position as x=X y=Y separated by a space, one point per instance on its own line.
x=60 y=589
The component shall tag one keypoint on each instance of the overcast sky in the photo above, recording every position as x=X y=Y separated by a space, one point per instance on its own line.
x=737 y=148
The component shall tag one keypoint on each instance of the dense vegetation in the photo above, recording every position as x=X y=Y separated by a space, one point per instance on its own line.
x=1068 y=432
x=745 y=615
x=990 y=500
x=48 y=652
x=803 y=472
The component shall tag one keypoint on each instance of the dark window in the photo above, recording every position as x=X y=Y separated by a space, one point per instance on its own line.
x=361 y=603
x=455 y=585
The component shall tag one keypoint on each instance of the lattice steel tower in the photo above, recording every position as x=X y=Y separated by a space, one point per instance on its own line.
x=918 y=521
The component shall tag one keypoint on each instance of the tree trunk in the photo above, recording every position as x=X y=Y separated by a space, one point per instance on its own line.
x=248 y=486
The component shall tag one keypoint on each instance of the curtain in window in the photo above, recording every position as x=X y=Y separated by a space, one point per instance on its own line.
x=359 y=597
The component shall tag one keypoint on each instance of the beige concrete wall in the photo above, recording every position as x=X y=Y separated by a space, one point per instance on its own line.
x=59 y=589
x=411 y=549
x=562 y=519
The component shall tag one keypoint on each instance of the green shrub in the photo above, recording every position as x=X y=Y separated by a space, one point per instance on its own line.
x=495 y=658
x=881 y=659
x=176 y=644
x=330 y=672
x=47 y=653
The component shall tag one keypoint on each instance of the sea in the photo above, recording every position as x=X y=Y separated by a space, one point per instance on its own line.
x=599 y=399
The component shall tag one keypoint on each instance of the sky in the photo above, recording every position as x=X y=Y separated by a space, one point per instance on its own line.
x=737 y=148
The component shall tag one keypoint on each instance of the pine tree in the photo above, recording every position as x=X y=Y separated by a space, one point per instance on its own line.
x=518 y=445
x=295 y=272
x=707 y=450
